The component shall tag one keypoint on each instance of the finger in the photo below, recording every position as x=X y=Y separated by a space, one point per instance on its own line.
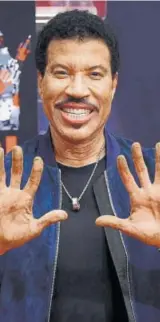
x=8 y=77
x=157 y=165
x=17 y=167
x=2 y=74
x=50 y=218
x=127 y=227
x=35 y=177
x=2 y=170
x=5 y=75
x=8 y=81
x=115 y=223
x=140 y=166
x=126 y=175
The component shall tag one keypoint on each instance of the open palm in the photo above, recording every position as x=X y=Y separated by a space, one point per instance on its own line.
x=144 y=220
x=17 y=224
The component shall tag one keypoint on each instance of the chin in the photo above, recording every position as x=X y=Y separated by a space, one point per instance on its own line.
x=77 y=135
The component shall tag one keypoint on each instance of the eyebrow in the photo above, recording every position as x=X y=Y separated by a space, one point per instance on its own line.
x=58 y=65
x=105 y=70
x=100 y=67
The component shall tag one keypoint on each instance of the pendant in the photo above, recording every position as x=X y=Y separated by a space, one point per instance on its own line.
x=75 y=204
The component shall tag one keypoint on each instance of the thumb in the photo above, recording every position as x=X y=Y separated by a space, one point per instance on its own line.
x=114 y=222
x=50 y=218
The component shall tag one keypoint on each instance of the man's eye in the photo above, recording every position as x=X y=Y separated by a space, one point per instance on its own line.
x=60 y=73
x=96 y=75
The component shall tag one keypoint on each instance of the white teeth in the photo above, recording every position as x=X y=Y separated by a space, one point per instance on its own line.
x=76 y=117
x=78 y=112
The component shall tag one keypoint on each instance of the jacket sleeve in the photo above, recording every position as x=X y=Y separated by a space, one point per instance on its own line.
x=3 y=257
x=28 y=160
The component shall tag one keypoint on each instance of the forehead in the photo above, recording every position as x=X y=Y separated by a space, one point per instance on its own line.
x=76 y=52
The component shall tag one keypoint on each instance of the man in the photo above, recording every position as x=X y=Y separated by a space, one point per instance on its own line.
x=77 y=271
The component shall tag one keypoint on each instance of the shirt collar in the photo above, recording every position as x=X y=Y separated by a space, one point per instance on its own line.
x=46 y=149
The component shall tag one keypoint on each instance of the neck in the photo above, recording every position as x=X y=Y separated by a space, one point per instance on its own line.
x=81 y=154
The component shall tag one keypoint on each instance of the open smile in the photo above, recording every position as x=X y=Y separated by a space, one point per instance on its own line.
x=76 y=115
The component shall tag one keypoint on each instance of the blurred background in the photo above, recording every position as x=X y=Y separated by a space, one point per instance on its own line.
x=136 y=107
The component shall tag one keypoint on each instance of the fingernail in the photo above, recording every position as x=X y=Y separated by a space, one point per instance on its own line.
x=63 y=216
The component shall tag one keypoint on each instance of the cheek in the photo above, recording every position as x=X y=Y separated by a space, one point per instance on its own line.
x=106 y=101
x=53 y=88
x=104 y=97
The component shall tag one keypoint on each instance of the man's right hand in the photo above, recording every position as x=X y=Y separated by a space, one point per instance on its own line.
x=17 y=224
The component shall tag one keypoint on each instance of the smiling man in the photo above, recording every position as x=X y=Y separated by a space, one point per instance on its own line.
x=76 y=271
x=77 y=89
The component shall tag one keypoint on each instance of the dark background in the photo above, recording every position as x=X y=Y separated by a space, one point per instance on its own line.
x=136 y=108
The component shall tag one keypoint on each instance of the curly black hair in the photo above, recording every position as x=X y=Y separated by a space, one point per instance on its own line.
x=80 y=25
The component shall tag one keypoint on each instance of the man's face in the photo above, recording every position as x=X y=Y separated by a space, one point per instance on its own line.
x=77 y=88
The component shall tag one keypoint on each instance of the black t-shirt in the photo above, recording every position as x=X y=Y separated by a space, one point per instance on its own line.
x=83 y=290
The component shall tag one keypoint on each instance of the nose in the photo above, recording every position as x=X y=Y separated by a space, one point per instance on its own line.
x=78 y=87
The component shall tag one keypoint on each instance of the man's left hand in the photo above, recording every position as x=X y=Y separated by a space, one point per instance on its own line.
x=144 y=220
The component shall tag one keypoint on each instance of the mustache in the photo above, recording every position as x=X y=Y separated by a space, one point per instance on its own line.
x=77 y=101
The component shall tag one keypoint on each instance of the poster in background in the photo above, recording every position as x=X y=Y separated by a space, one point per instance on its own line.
x=18 y=88
x=10 y=77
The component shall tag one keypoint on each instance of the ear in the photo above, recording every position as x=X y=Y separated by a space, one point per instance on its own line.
x=40 y=83
x=114 y=84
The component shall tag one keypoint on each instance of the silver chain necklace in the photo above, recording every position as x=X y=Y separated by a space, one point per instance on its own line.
x=76 y=200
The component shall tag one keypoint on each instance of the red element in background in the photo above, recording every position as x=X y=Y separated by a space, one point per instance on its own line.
x=101 y=8
x=100 y=5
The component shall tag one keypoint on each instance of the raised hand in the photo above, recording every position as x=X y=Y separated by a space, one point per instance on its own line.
x=144 y=220
x=17 y=224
